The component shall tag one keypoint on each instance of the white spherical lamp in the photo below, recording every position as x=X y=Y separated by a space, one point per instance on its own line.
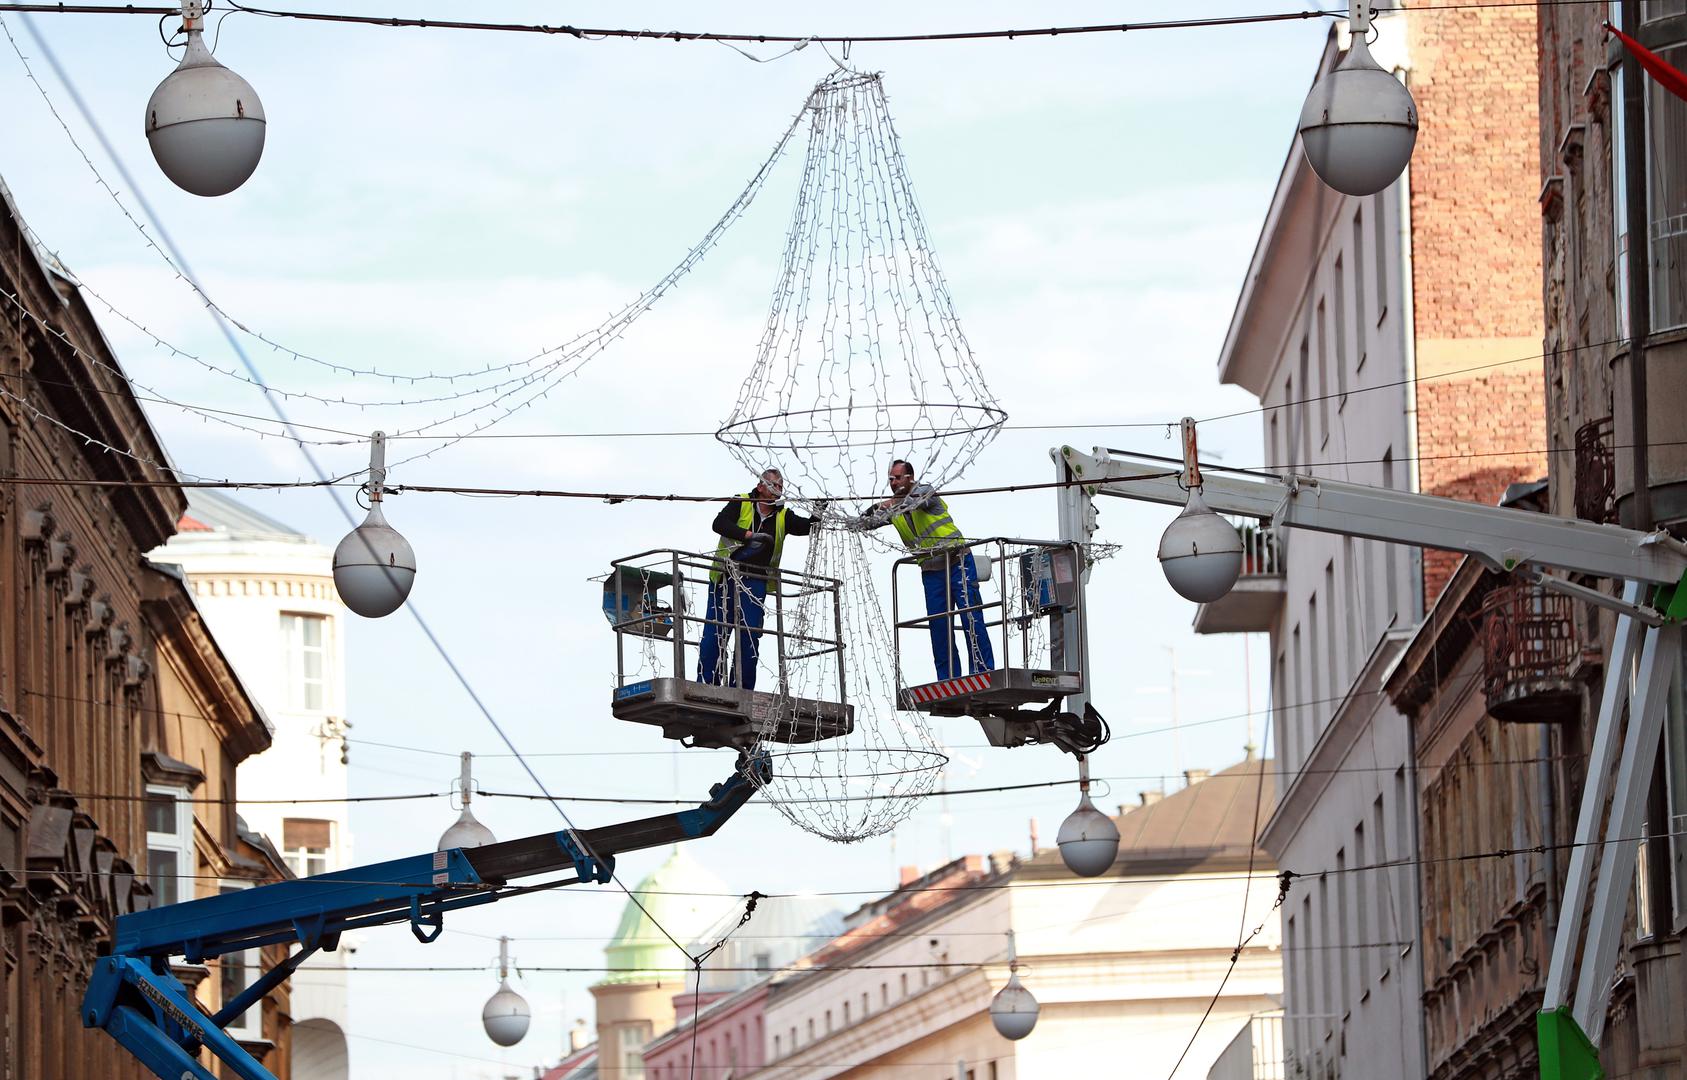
x=374 y=567
x=1013 y=1010
x=1088 y=840
x=506 y=1016
x=1201 y=553
x=205 y=123
x=1359 y=124
x=466 y=832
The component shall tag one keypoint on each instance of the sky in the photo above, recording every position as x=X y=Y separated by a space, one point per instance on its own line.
x=443 y=201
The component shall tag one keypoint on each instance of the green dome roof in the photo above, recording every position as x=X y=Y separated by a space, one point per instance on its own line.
x=639 y=952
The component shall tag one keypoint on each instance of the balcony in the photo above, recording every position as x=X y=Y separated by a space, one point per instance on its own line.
x=1529 y=654
x=1596 y=472
x=1256 y=1053
x=1252 y=606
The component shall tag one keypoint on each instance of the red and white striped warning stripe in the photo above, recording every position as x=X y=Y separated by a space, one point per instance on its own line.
x=937 y=691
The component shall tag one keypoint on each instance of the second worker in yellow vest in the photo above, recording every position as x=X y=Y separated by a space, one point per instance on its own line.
x=950 y=576
x=752 y=530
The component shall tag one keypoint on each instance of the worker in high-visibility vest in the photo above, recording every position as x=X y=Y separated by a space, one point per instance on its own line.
x=752 y=530
x=950 y=577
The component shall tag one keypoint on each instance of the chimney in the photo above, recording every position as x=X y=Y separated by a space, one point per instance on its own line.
x=1191 y=777
x=1149 y=798
x=909 y=875
x=577 y=1036
x=1034 y=847
x=1125 y=808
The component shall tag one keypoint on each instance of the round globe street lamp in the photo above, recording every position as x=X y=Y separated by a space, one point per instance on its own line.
x=1200 y=552
x=1088 y=839
x=466 y=832
x=1359 y=123
x=1013 y=1010
x=374 y=566
x=506 y=1014
x=205 y=123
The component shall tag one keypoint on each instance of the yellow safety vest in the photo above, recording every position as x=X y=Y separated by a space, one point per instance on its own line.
x=922 y=531
x=747 y=514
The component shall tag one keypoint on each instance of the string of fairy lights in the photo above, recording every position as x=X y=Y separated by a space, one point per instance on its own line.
x=779 y=407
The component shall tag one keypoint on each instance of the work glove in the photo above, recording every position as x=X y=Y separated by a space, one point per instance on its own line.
x=820 y=507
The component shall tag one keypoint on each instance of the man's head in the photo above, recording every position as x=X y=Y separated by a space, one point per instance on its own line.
x=772 y=486
x=901 y=478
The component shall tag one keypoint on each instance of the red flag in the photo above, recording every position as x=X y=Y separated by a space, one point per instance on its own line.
x=1668 y=77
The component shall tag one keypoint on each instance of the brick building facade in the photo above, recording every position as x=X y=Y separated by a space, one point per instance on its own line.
x=121 y=721
x=1475 y=259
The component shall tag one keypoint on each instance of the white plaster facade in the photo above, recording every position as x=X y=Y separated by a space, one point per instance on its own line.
x=1123 y=970
x=267 y=593
x=1325 y=318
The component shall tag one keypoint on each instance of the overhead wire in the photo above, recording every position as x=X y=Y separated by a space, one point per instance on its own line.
x=599 y=33
x=276 y=406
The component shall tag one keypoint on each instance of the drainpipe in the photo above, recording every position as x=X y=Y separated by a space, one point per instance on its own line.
x=1409 y=355
x=1549 y=832
x=1658 y=896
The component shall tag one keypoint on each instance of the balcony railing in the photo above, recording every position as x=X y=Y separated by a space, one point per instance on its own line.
x=1253 y=604
x=1596 y=472
x=1529 y=655
x=1256 y=1053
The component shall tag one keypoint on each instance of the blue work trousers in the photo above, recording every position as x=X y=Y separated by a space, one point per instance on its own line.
x=732 y=605
x=951 y=585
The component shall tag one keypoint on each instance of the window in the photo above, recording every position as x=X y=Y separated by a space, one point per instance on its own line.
x=1340 y=330
x=1313 y=714
x=1666 y=188
x=1304 y=443
x=1297 y=699
x=305 y=650
x=1379 y=219
x=811 y=1029
x=764 y=962
x=632 y=1040
x=1327 y=955
x=776 y=1046
x=863 y=1006
x=1312 y=1002
x=1379 y=837
x=1331 y=665
x=846 y=1013
x=1358 y=290
x=1279 y=715
x=1272 y=454
x=1357 y=610
x=884 y=994
x=169 y=844
x=828 y=1021
x=904 y=984
x=1675 y=764
x=1342 y=942
x=305 y=843
x=1323 y=379
x=237 y=971
x=793 y=1037
x=1364 y=887
x=1392 y=610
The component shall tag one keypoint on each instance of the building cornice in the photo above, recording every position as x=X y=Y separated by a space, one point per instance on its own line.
x=88 y=393
x=1352 y=720
x=184 y=640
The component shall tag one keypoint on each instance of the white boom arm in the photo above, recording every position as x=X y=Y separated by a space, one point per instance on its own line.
x=1502 y=539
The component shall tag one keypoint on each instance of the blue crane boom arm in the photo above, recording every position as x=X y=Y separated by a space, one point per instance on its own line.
x=135 y=998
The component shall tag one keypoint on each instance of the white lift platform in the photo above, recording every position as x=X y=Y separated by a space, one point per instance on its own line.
x=657 y=604
x=1028 y=603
